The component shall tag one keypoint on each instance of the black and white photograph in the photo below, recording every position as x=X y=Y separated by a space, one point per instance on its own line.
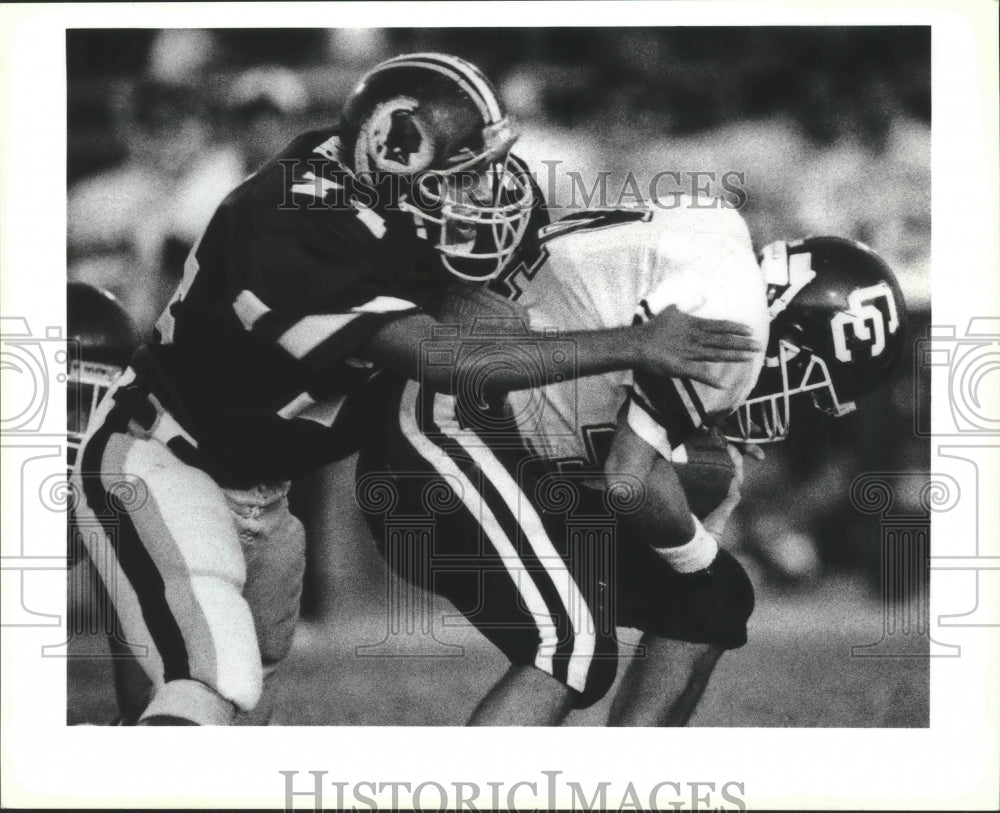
x=520 y=371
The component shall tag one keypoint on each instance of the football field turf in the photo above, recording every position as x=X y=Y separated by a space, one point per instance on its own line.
x=797 y=670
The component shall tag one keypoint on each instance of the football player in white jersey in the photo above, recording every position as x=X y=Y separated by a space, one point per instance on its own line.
x=618 y=268
x=608 y=269
x=545 y=595
x=544 y=563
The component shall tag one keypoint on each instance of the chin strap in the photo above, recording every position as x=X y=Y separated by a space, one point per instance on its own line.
x=792 y=273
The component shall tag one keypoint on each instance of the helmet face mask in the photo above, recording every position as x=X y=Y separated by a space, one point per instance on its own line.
x=475 y=220
x=838 y=327
x=101 y=339
x=87 y=384
x=766 y=418
x=432 y=124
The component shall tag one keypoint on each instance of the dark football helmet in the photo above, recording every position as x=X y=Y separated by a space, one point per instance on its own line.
x=838 y=328
x=104 y=338
x=433 y=126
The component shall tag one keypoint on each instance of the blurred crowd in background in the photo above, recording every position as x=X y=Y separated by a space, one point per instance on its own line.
x=829 y=128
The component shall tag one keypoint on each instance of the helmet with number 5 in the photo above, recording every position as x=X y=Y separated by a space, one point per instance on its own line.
x=430 y=129
x=838 y=327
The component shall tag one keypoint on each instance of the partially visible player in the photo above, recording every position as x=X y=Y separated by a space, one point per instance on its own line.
x=838 y=329
x=612 y=268
x=102 y=338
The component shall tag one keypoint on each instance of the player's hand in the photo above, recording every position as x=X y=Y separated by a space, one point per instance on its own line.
x=676 y=344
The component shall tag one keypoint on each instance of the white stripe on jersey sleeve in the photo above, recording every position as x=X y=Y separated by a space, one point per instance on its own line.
x=689 y=404
x=384 y=304
x=296 y=405
x=315 y=187
x=311 y=331
x=249 y=308
x=305 y=406
x=373 y=222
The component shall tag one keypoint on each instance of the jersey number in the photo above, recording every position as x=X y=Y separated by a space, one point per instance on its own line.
x=509 y=284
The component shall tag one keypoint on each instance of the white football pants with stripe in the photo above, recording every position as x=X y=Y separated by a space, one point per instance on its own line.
x=205 y=580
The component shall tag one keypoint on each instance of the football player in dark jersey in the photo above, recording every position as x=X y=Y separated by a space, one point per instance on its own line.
x=317 y=272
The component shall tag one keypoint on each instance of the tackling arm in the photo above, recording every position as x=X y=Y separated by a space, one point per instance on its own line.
x=671 y=344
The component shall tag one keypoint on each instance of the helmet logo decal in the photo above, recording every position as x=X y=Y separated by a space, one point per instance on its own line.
x=392 y=139
x=404 y=138
x=861 y=312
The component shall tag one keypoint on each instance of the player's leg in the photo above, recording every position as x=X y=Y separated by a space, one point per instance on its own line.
x=133 y=688
x=688 y=621
x=482 y=574
x=664 y=685
x=172 y=562
x=274 y=546
x=524 y=696
x=273 y=543
x=494 y=558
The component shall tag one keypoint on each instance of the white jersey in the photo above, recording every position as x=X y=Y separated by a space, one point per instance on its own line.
x=616 y=268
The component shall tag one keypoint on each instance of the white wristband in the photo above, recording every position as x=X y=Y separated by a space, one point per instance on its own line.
x=697 y=554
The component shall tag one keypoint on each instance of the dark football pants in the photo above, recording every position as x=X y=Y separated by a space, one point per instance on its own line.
x=534 y=558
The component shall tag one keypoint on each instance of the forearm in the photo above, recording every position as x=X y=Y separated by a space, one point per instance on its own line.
x=603 y=351
x=537 y=359
x=663 y=518
x=415 y=346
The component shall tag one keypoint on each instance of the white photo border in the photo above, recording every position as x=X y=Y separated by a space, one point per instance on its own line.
x=953 y=763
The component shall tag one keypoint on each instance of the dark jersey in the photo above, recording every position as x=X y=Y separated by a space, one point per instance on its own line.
x=256 y=353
